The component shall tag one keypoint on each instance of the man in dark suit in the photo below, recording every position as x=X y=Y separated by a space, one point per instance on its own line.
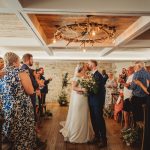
x=96 y=103
x=43 y=90
x=105 y=76
x=27 y=63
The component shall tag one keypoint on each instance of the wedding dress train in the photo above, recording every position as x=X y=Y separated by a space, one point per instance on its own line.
x=76 y=127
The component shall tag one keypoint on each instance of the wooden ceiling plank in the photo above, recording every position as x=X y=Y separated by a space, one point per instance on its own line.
x=38 y=27
x=137 y=28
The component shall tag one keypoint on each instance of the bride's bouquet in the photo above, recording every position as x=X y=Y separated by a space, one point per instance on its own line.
x=89 y=84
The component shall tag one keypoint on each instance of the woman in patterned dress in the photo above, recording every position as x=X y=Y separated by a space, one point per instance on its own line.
x=111 y=86
x=16 y=87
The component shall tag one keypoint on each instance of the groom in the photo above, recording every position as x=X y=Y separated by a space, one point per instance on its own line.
x=96 y=103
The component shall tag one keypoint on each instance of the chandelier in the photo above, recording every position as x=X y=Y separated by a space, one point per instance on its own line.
x=84 y=33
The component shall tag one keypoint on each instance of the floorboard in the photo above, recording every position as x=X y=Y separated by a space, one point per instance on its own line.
x=50 y=131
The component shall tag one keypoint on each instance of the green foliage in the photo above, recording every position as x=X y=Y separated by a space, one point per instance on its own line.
x=131 y=135
x=65 y=80
x=62 y=99
x=89 y=84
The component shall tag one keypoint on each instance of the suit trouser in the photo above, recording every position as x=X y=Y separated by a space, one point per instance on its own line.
x=97 y=119
x=137 y=109
x=43 y=97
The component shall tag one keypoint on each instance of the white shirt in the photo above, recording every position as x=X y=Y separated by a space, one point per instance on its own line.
x=128 y=93
x=93 y=71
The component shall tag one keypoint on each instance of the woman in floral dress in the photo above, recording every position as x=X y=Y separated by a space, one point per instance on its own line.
x=111 y=86
x=16 y=87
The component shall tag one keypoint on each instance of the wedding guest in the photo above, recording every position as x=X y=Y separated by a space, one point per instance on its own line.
x=27 y=63
x=16 y=87
x=2 y=73
x=105 y=76
x=146 y=143
x=44 y=90
x=111 y=86
x=139 y=96
x=127 y=98
x=122 y=78
x=38 y=91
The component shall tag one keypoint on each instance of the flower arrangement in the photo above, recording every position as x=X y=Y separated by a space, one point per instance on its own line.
x=131 y=136
x=62 y=99
x=89 y=84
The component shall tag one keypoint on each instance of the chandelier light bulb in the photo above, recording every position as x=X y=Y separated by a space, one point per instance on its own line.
x=54 y=40
x=93 y=33
x=84 y=50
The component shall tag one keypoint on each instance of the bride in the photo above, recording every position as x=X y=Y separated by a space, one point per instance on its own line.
x=76 y=127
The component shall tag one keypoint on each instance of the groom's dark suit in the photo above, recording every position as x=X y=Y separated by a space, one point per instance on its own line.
x=96 y=103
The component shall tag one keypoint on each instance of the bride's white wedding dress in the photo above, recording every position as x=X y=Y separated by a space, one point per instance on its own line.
x=76 y=127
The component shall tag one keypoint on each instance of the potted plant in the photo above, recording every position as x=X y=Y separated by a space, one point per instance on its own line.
x=62 y=99
x=130 y=136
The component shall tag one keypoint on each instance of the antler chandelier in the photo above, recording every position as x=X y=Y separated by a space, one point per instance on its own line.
x=85 y=33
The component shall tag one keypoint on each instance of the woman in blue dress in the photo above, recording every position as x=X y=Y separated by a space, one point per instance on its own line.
x=16 y=86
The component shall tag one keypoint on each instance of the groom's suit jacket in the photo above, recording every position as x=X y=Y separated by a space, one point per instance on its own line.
x=99 y=97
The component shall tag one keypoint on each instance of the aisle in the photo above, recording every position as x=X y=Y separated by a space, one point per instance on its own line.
x=50 y=131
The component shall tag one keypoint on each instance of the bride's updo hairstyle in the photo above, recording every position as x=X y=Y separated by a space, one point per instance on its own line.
x=80 y=66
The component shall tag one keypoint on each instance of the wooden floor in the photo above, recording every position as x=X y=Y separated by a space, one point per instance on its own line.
x=50 y=131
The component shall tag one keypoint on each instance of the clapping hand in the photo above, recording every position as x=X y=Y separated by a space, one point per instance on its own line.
x=50 y=79
x=82 y=91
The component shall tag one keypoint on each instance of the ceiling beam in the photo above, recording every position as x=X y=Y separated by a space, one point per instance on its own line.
x=38 y=27
x=97 y=13
x=24 y=18
x=36 y=33
x=93 y=6
x=138 y=27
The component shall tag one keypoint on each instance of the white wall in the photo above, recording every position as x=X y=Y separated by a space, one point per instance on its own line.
x=56 y=69
x=119 y=65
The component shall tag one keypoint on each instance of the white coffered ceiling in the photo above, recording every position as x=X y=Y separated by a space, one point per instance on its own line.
x=20 y=34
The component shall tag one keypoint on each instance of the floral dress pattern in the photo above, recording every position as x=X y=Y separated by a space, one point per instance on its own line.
x=19 y=126
x=109 y=89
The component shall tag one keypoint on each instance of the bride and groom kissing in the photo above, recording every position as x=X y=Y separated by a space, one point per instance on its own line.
x=76 y=127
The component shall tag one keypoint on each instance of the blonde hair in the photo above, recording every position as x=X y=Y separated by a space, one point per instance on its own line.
x=10 y=58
